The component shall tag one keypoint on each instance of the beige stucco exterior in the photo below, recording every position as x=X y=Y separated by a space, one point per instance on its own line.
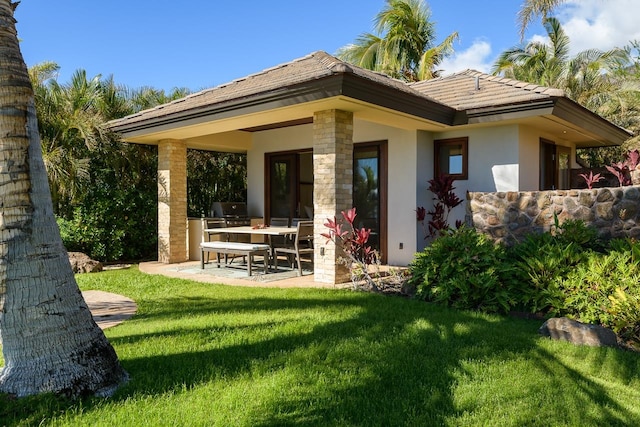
x=322 y=105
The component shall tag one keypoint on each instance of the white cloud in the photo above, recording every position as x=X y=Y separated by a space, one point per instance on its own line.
x=601 y=24
x=475 y=57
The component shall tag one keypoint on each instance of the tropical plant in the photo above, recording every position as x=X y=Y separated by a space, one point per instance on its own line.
x=359 y=255
x=445 y=200
x=463 y=269
x=535 y=8
x=605 y=290
x=595 y=79
x=213 y=177
x=591 y=179
x=404 y=44
x=49 y=341
x=619 y=170
x=71 y=126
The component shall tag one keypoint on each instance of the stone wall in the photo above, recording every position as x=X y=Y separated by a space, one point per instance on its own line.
x=509 y=216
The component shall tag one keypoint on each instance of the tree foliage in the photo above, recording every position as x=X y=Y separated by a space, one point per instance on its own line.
x=404 y=45
x=605 y=82
x=104 y=190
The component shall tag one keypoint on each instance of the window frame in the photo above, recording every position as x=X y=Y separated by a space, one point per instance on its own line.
x=463 y=142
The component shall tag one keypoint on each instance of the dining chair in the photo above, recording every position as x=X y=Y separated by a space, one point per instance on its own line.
x=302 y=245
x=277 y=241
x=210 y=223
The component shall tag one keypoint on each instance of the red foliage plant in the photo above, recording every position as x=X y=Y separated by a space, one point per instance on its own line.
x=591 y=178
x=352 y=240
x=442 y=189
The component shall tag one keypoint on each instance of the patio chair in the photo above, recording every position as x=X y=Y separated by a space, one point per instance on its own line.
x=209 y=223
x=277 y=241
x=302 y=245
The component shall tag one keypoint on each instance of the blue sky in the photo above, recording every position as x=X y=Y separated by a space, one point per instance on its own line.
x=203 y=43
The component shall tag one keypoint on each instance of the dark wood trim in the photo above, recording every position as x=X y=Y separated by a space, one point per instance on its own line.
x=464 y=143
x=546 y=168
x=298 y=122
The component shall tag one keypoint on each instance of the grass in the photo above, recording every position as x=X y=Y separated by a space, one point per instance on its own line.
x=212 y=355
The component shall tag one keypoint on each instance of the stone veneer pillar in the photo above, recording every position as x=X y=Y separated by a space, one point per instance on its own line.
x=332 y=187
x=172 y=201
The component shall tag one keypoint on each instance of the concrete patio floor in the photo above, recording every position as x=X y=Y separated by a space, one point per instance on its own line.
x=235 y=276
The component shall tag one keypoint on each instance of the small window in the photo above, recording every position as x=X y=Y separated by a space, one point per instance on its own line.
x=451 y=157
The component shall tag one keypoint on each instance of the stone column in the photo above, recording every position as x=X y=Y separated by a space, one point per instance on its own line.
x=332 y=187
x=172 y=201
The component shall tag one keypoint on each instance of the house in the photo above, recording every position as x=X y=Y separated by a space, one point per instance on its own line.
x=322 y=136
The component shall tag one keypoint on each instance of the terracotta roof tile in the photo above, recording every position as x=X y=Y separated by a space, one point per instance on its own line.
x=311 y=67
x=459 y=90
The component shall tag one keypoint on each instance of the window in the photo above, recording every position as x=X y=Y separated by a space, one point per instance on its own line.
x=451 y=157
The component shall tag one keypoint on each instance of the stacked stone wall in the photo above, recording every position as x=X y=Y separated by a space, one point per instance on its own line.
x=509 y=216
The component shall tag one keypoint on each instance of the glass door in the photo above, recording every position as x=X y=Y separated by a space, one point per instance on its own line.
x=289 y=185
x=555 y=166
x=282 y=184
x=563 y=174
x=369 y=192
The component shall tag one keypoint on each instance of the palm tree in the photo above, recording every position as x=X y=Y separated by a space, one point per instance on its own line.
x=50 y=342
x=71 y=126
x=404 y=47
x=537 y=62
x=602 y=81
x=591 y=77
x=535 y=8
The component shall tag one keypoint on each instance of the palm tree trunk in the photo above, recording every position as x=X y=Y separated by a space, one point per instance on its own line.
x=50 y=342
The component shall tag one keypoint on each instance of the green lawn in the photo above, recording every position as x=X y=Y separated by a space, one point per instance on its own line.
x=206 y=355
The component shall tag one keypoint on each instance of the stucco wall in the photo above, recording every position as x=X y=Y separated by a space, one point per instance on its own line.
x=528 y=159
x=403 y=182
x=509 y=216
x=493 y=163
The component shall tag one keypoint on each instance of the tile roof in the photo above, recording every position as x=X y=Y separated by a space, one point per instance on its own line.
x=472 y=89
x=312 y=67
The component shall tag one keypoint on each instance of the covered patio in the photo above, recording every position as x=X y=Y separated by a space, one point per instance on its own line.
x=312 y=105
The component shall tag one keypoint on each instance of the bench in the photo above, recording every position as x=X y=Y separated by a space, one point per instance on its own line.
x=236 y=248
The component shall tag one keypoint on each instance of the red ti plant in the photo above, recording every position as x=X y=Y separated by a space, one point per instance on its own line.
x=633 y=159
x=620 y=171
x=591 y=179
x=353 y=242
x=442 y=189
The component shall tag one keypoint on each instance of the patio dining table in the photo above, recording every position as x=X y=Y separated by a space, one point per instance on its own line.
x=246 y=229
x=255 y=230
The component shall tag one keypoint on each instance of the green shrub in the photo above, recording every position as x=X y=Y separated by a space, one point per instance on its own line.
x=539 y=264
x=605 y=289
x=578 y=233
x=463 y=269
x=114 y=224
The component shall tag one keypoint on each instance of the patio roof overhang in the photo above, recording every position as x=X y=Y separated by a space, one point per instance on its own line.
x=227 y=125
x=223 y=118
x=558 y=116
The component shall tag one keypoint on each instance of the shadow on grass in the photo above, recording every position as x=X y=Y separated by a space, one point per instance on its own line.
x=351 y=358
x=404 y=358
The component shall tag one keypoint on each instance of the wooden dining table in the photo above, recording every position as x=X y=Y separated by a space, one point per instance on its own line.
x=268 y=231
x=247 y=229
